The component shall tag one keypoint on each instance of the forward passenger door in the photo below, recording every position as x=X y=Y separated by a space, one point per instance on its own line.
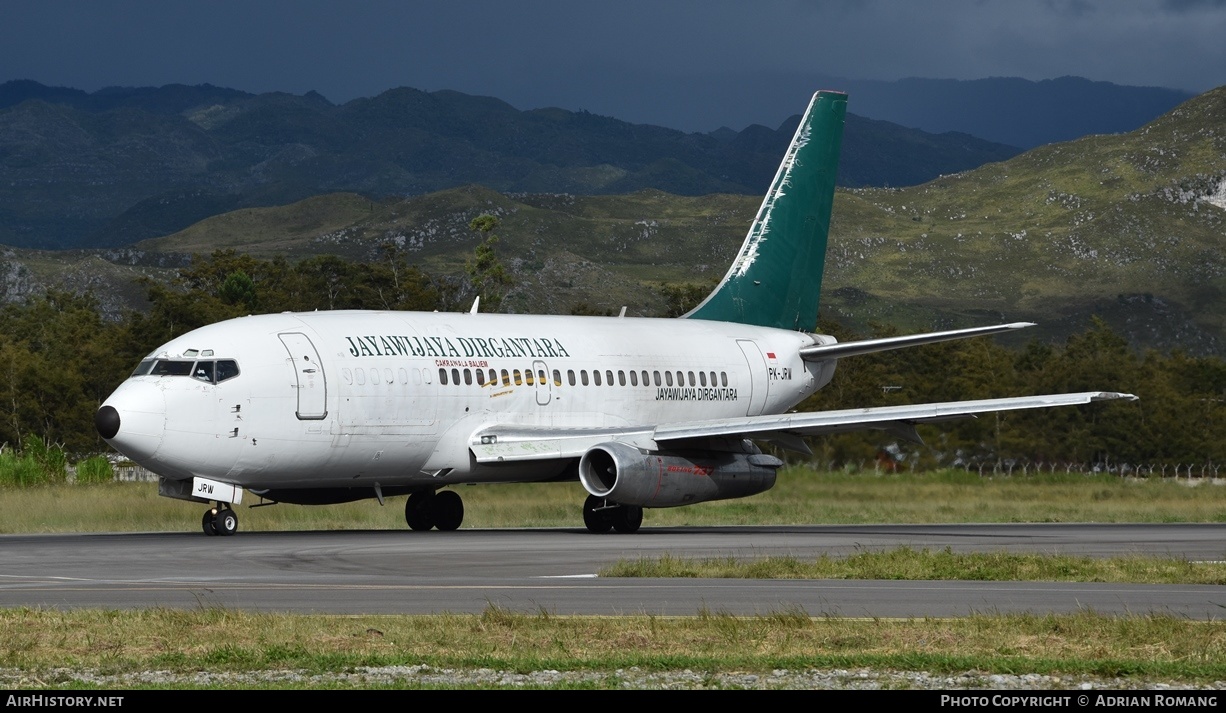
x=308 y=376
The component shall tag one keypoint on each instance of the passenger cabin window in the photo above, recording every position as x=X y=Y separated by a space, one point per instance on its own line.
x=570 y=376
x=668 y=378
x=583 y=376
x=596 y=377
x=634 y=378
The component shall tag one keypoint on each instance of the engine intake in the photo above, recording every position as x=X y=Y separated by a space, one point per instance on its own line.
x=630 y=476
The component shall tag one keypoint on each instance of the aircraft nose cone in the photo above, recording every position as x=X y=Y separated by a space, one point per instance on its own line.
x=133 y=420
x=107 y=422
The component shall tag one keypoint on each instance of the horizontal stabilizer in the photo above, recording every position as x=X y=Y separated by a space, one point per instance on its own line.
x=823 y=352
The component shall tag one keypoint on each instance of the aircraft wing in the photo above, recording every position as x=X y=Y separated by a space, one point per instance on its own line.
x=510 y=443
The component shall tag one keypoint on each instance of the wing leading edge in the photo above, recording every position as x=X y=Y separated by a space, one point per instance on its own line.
x=511 y=443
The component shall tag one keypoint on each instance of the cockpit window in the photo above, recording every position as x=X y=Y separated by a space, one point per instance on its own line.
x=227 y=369
x=203 y=371
x=168 y=367
x=212 y=372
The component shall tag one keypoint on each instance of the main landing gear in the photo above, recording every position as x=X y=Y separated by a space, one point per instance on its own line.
x=220 y=520
x=600 y=515
x=443 y=510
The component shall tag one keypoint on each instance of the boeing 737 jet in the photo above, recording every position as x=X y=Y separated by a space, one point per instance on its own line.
x=335 y=406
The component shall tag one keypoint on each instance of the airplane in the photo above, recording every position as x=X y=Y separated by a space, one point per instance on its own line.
x=336 y=406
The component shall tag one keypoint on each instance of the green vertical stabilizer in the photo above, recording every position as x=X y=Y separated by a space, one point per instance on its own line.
x=776 y=279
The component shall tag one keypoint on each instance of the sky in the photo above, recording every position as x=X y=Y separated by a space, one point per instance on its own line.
x=694 y=65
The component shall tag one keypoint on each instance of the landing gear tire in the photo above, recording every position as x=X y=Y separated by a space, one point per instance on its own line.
x=596 y=516
x=419 y=511
x=448 y=510
x=219 y=521
x=627 y=518
x=225 y=522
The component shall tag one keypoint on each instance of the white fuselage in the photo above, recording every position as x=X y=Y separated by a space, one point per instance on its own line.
x=357 y=398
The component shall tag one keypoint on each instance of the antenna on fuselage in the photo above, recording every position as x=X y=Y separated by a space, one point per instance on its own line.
x=473 y=309
x=623 y=312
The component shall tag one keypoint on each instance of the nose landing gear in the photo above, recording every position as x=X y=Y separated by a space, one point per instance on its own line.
x=219 y=520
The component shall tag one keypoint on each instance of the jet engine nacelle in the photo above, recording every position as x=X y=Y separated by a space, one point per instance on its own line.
x=630 y=476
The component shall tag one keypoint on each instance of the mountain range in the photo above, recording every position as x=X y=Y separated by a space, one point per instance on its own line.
x=119 y=165
x=1128 y=227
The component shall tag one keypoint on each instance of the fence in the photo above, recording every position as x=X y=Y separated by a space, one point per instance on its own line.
x=131 y=472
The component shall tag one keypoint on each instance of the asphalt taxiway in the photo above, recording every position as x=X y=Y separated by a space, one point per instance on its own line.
x=555 y=571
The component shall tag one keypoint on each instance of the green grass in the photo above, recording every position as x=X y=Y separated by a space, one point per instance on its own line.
x=905 y=563
x=54 y=649
x=801 y=496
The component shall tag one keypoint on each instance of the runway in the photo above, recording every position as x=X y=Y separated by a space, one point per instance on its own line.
x=554 y=571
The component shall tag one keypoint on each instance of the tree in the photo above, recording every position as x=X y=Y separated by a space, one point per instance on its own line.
x=489 y=276
x=238 y=288
x=685 y=296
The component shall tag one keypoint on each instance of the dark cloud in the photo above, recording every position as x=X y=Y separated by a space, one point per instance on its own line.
x=694 y=64
x=1193 y=5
